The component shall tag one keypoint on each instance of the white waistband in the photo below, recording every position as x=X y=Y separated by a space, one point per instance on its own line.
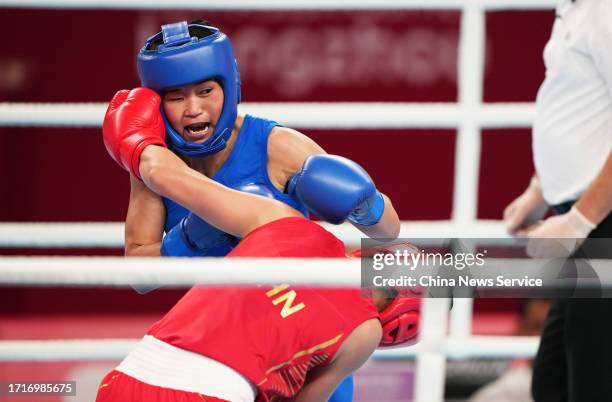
x=158 y=363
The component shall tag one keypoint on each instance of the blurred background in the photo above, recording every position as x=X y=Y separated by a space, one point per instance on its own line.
x=65 y=174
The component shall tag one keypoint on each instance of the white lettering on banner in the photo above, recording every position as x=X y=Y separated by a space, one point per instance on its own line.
x=294 y=61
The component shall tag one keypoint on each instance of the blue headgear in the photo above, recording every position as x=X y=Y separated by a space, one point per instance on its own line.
x=182 y=60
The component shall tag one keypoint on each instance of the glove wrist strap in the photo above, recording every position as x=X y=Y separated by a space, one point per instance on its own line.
x=371 y=213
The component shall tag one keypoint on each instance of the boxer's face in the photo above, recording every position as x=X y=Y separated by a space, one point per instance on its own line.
x=193 y=110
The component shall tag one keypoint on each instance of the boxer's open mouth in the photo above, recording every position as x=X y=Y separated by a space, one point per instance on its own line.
x=197 y=131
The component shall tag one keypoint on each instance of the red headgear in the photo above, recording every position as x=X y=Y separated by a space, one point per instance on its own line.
x=400 y=320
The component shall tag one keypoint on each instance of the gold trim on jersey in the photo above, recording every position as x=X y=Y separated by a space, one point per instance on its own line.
x=110 y=380
x=302 y=353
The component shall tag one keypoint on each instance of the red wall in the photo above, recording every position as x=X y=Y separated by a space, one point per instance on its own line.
x=64 y=174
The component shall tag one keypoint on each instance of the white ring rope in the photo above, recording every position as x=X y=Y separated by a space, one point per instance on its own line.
x=111 y=234
x=119 y=271
x=259 y=5
x=332 y=115
x=116 y=349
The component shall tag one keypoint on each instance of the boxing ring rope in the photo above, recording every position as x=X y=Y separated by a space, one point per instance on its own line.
x=338 y=115
x=172 y=272
x=468 y=116
x=110 y=234
x=182 y=272
x=185 y=272
x=116 y=349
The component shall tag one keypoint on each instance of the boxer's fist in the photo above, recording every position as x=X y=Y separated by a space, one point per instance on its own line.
x=133 y=120
x=336 y=188
x=194 y=237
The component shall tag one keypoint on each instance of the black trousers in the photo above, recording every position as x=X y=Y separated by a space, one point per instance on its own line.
x=574 y=360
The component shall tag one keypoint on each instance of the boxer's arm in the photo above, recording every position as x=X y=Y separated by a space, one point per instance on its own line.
x=288 y=149
x=234 y=212
x=144 y=224
x=354 y=352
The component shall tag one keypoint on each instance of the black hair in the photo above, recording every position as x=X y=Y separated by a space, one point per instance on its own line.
x=197 y=28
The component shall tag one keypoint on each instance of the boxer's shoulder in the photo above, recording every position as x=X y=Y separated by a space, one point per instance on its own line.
x=287 y=151
x=290 y=148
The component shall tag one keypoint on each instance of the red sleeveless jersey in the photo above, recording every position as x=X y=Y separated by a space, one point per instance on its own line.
x=271 y=335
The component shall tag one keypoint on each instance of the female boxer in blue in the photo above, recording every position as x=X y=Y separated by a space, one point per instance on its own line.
x=193 y=68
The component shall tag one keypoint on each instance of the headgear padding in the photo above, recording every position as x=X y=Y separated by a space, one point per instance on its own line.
x=400 y=322
x=182 y=59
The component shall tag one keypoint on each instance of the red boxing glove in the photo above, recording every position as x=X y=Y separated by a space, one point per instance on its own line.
x=133 y=120
x=400 y=322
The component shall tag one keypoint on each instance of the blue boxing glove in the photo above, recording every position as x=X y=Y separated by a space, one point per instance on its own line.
x=194 y=237
x=335 y=189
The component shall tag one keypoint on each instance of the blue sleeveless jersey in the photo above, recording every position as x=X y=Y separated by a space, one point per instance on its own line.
x=246 y=164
